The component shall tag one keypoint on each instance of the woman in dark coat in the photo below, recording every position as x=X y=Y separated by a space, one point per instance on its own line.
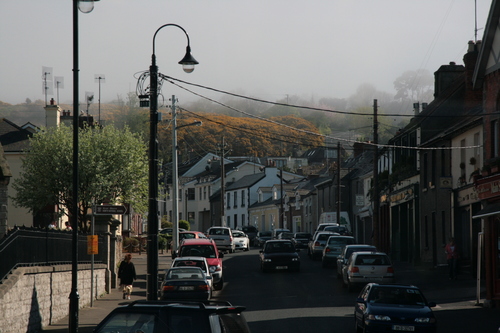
x=126 y=274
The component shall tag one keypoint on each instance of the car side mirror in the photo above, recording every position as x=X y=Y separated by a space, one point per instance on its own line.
x=221 y=254
x=209 y=277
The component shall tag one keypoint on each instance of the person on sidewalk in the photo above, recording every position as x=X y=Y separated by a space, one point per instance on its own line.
x=126 y=274
x=452 y=256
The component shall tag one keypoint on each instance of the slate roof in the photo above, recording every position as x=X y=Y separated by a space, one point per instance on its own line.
x=13 y=138
x=246 y=181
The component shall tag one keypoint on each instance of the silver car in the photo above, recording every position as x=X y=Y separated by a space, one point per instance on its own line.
x=315 y=248
x=366 y=267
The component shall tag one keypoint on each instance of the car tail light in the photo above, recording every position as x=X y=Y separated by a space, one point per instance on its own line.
x=317 y=244
x=390 y=269
x=168 y=288
x=327 y=249
x=354 y=269
x=230 y=239
x=205 y=287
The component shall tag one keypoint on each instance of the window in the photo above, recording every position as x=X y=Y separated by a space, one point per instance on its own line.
x=242 y=219
x=199 y=195
x=242 y=198
x=190 y=193
x=494 y=138
x=204 y=193
x=228 y=200
x=235 y=201
x=476 y=149
x=235 y=221
x=425 y=171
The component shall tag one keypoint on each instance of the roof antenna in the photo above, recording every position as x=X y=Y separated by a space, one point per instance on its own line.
x=475 y=21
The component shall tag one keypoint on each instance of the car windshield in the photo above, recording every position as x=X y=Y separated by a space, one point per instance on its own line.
x=358 y=249
x=190 y=263
x=265 y=234
x=171 y=320
x=372 y=260
x=185 y=273
x=273 y=247
x=218 y=231
x=303 y=235
x=206 y=251
x=341 y=241
x=238 y=234
x=187 y=236
x=396 y=295
x=323 y=237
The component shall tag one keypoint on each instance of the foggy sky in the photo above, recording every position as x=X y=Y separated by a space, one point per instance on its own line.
x=262 y=48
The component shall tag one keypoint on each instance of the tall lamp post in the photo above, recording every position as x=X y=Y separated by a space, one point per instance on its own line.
x=187 y=63
x=85 y=6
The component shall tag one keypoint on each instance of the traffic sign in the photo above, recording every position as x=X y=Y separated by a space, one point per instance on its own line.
x=110 y=210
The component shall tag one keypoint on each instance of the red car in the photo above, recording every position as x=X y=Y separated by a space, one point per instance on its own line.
x=201 y=247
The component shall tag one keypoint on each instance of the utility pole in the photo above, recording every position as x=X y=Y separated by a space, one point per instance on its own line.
x=375 y=193
x=282 y=210
x=338 y=183
x=222 y=185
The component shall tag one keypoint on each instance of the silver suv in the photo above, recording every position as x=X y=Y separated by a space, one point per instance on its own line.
x=223 y=238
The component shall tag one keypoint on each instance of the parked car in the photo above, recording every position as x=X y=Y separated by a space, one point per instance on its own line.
x=301 y=239
x=188 y=283
x=366 y=267
x=175 y=316
x=286 y=235
x=207 y=248
x=251 y=232
x=279 y=255
x=241 y=240
x=333 y=247
x=388 y=308
x=223 y=237
x=316 y=245
x=262 y=237
x=168 y=231
x=346 y=253
x=277 y=232
x=340 y=229
x=200 y=262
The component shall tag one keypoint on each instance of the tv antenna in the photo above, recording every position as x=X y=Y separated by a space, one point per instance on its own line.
x=59 y=84
x=47 y=82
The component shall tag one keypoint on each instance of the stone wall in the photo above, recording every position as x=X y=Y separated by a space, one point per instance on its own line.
x=35 y=297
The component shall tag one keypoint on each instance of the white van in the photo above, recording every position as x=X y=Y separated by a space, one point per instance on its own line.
x=331 y=217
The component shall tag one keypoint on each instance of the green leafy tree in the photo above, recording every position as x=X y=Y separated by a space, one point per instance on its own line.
x=112 y=168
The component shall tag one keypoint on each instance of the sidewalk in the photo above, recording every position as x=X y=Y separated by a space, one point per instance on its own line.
x=89 y=317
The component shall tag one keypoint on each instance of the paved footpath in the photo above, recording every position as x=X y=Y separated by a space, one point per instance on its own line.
x=89 y=317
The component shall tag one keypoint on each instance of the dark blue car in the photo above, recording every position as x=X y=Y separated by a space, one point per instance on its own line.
x=388 y=308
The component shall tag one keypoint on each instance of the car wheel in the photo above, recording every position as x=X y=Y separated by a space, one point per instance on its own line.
x=247 y=248
x=357 y=329
x=219 y=285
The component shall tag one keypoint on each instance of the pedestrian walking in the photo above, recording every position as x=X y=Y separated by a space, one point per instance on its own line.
x=126 y=274
x=452 y=256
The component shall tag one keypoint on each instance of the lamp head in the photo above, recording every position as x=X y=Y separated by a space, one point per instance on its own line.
x=188 y=62
x=86 y=6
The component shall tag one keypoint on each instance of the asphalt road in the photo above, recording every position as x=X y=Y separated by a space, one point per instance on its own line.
x=313 y=300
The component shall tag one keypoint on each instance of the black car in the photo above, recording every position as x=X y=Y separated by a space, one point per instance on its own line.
x=251 y=232
x=262 y=237
x=388 y=308
x=175 y=316
x=279 y=255
x=301 y=239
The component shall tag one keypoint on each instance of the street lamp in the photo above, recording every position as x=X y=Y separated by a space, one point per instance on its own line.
x=85 y=6
x=188 y=63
